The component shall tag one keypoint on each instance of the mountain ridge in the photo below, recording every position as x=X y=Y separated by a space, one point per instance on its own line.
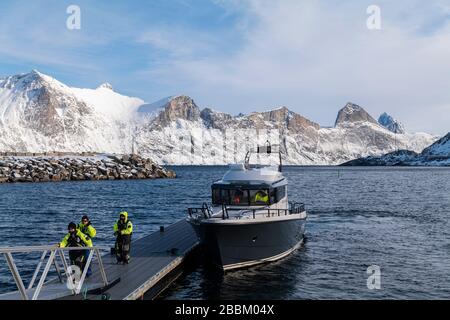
x=39 y=113
x=437 y=154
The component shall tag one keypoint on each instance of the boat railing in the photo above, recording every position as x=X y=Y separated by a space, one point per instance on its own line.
x=294 y=208
x=53 y=252
x=205 y=211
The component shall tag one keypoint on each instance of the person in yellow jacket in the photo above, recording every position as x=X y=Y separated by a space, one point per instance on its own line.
x=75 y=238
x=89 y=231
x=87 y=228
x=262 y=196
x=123 y=229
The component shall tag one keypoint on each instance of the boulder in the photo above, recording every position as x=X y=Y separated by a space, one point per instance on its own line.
x=103 y=170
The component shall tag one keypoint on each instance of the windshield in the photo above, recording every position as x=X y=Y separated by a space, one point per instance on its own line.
x=247 y=197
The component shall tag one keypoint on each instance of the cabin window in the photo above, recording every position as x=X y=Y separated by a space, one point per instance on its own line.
x=216 y=198
x=239 y=197
x=273 y=194
x=245 y=197
x=224 y=196
x=221 y=196
x=281 y=193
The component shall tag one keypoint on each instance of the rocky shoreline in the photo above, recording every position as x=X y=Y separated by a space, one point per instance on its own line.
x=46 y=168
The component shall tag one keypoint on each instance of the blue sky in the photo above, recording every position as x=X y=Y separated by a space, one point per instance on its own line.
x=241 y=56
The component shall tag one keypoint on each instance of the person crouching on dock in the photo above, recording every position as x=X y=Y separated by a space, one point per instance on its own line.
x=123 y=229
x=75 y=238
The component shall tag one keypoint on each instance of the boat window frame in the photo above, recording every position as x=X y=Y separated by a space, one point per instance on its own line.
x=226 y=190
x=280 y=192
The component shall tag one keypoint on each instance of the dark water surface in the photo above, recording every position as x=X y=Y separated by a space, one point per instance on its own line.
x=395 y=218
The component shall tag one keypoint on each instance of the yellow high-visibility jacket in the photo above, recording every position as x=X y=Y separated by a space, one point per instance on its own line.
x=261 y=198
x=89 y=231
x=127 y=228
x=80 y=239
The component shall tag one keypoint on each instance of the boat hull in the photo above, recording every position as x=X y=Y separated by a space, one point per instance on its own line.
x=241 y=244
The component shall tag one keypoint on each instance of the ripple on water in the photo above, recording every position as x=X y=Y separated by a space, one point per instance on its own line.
x=395 y=218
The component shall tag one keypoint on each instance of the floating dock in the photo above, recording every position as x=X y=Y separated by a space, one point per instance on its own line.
x=156 y=261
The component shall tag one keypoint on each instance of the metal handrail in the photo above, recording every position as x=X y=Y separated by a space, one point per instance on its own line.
x=27 y=249
x=294 y=208
x=54 y=250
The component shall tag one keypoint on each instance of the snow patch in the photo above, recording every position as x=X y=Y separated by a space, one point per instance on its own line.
x=109 y=103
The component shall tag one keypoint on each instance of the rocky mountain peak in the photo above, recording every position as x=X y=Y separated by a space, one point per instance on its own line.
x=24 y=81
x=293 y=121
x=180 y=107
x=390 y=123
x=106 y=85
x=36 y=76
x=281 y=114
x=215 y=119
x=41 y=104
x=353 y=113
x=281 y=118
x=36 y=73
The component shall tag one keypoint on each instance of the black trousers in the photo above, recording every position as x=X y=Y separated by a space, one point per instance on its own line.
x=123 y=246
x=77 y=258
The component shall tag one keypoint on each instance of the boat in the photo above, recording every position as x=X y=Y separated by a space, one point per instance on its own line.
x=250 y=220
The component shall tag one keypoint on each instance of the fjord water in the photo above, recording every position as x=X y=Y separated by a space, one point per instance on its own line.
x=395 y=218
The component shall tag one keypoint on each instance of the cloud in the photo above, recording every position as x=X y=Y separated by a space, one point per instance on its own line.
x=244 y=55
x=315 y=56
x=178 y=42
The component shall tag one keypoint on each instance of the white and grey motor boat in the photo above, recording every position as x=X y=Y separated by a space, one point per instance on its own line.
x=251 y=220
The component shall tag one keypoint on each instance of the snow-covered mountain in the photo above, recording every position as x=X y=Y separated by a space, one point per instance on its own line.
x=206 y=136
x=438 y=154
x=440 y=148
x=391 y=124
x=39 y=114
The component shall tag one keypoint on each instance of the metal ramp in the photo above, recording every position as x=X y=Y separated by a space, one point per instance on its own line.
x=155 y=262
x=50 y=291
x=69 y=281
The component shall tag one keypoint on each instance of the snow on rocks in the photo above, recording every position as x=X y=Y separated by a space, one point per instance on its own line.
x=67 y=168
x=438 y=154
x=391 y=124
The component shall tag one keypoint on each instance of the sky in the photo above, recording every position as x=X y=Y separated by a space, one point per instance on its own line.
x=245 y=55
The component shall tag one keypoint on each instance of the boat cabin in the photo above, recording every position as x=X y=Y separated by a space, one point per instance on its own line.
x=249 y=187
